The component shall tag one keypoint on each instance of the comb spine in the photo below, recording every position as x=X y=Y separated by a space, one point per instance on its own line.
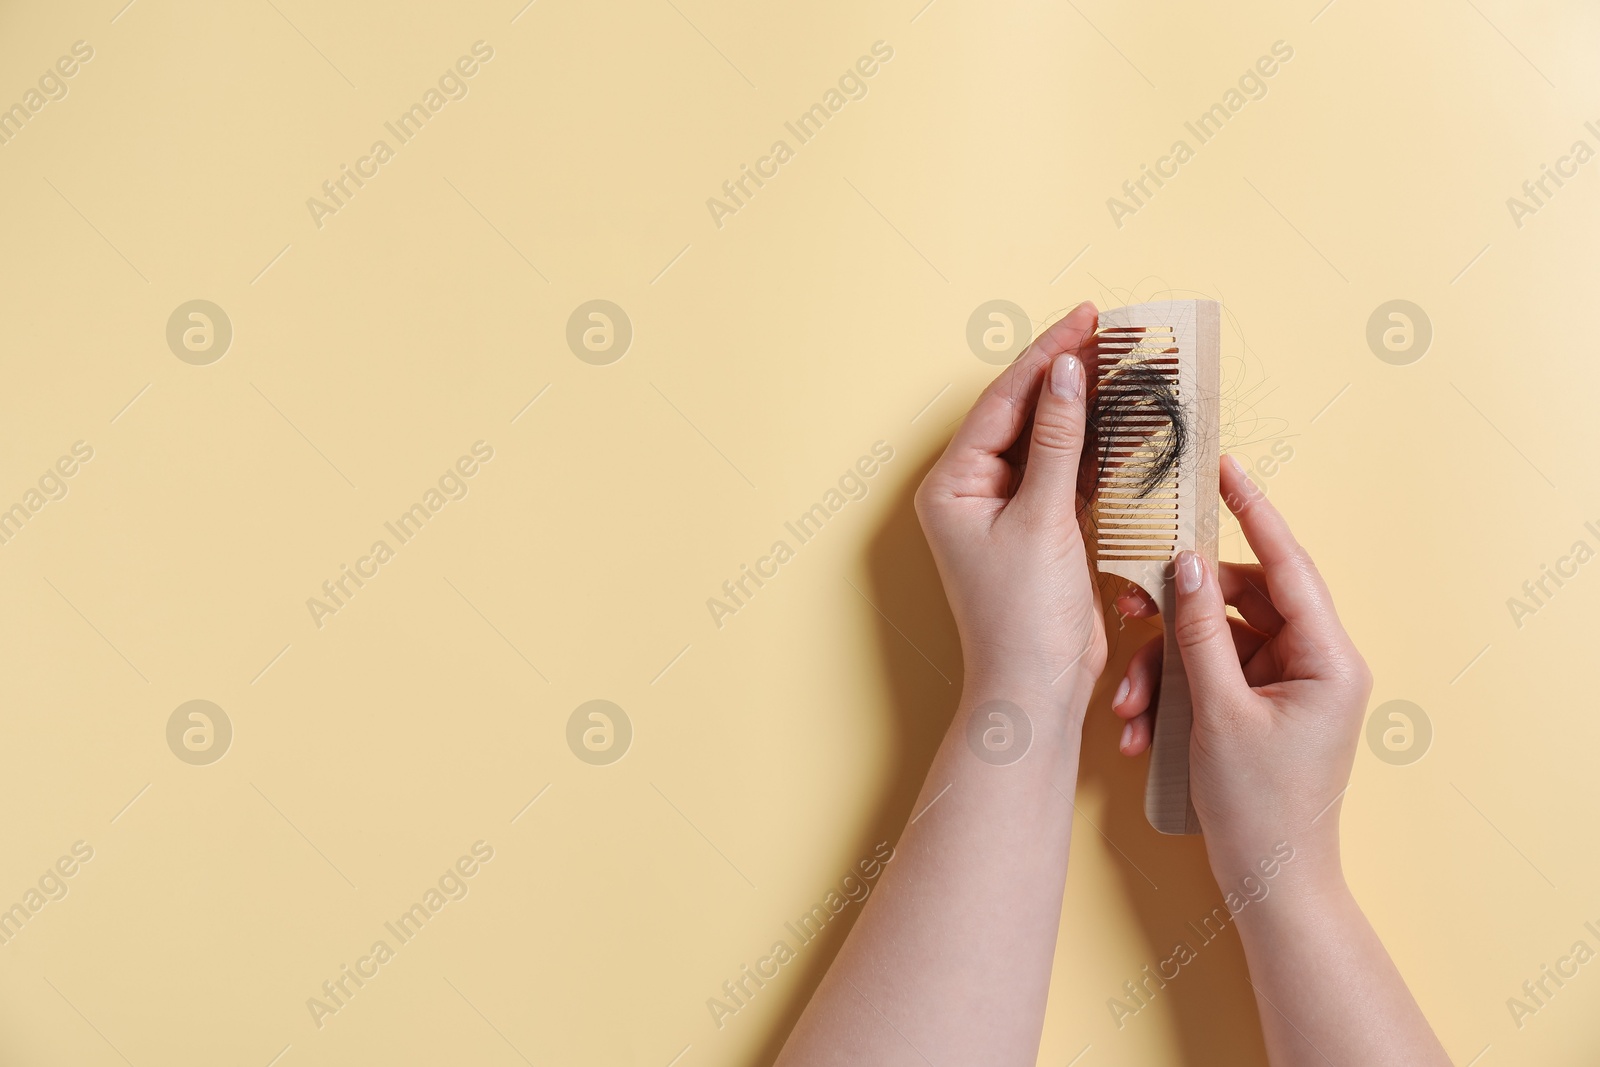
x=1168 y=805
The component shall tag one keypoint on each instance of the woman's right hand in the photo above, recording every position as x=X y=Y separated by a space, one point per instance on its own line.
x=1278 y=696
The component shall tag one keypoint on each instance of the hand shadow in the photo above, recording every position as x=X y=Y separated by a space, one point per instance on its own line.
x=1211 y=1004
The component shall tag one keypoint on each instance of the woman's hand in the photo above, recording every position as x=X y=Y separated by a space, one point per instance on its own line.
x=1273 y=743
x=1278 y=702
x=990 y=832
x=1279 y=696
x=999 y=510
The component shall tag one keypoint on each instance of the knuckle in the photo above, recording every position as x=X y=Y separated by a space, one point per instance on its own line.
x=1358 y=673
x=1011 y=392
x=1239 y=503
x=1347 y=670
x=926 y=504
x=1058 y=431
x=1193 y=630
x=1304 y=570
x=1302 y=564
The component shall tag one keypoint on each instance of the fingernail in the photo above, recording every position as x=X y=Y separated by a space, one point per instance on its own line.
x=1188 y=572
x=1238 y=464
x=1066 y=377
x=1121 y=695
x=1127 y=737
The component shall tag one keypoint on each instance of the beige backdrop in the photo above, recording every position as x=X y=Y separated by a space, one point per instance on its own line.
x=234 y=456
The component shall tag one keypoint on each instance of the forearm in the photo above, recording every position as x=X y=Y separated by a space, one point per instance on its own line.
x=951 y=957
x=1327 y=991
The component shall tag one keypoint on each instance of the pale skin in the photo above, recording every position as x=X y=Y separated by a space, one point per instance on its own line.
x=950 y=960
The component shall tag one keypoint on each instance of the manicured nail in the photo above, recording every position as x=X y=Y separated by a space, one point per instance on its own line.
x=1122 y=694
x=1189 y=573
x=1066 y=377
x=1127 y=737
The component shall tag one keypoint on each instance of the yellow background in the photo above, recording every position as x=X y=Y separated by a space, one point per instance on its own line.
x=772 y=754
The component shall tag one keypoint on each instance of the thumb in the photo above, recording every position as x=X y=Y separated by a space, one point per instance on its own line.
x=1200 y=629
x=1049 y=484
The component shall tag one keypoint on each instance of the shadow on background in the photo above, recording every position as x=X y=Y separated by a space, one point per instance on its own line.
x=1210 y=1004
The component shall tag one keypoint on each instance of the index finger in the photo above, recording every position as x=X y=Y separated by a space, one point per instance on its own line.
x=1294 y=584
x=1001 y=410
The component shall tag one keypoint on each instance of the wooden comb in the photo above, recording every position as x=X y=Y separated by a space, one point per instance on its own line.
x=1142 y=517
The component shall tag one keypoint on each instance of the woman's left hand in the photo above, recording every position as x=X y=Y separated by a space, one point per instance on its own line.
x=1000 y=511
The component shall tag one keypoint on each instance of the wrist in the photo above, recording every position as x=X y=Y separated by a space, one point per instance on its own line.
x=1060 y=680
x=1297 y=909
x=1050 y=662
x=1290 y=867
x=1003 y=722
x=1061 y=702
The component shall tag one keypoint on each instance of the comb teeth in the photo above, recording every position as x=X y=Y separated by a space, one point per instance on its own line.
x=1136 y=518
